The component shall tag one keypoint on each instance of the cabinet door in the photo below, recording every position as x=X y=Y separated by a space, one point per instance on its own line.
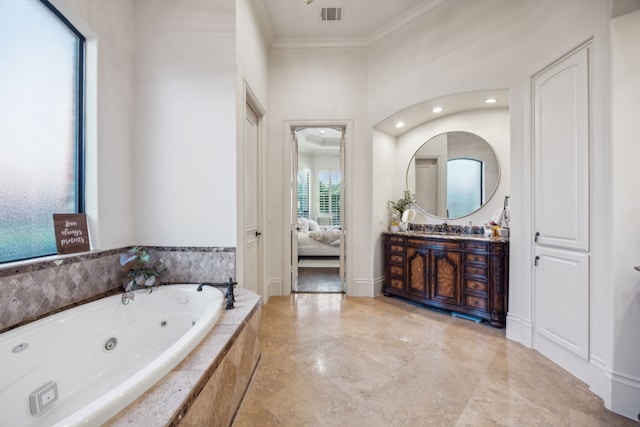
x=446 y=276
x=417 y=269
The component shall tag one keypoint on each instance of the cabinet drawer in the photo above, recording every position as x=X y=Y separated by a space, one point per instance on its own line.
x=396 y=284
x=396 y=249
x=475 y=302
x=476 y=271
x=395 y=270
x=470 y=257
x=435 y=244
x=476 y=246
x=396 y=239
x=396 y=259
x=475 y=285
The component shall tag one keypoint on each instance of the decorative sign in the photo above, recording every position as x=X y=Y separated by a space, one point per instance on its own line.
x=71 y=233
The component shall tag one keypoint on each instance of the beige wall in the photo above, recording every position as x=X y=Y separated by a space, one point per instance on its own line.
x=324 y=86
x=184 y=156
x=109 y=28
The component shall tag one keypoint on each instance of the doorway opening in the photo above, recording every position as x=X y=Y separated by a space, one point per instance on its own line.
x=317 y=210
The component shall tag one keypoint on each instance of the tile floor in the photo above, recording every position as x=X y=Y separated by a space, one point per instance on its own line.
x=331 y=360
x=319 y=279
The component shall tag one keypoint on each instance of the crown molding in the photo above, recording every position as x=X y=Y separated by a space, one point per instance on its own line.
x=410 y=16
x=355 y=42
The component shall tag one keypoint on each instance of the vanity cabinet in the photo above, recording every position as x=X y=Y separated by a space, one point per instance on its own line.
x=456 y=273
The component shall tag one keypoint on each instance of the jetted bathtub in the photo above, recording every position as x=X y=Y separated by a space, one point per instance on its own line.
x=83 y=365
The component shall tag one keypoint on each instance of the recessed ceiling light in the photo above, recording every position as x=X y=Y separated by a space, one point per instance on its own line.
x=490 y=100
x=399 y=124
x=437 y=109
x=322 y=132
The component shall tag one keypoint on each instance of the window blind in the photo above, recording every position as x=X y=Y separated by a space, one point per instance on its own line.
x=303 y=194
x=329 y=195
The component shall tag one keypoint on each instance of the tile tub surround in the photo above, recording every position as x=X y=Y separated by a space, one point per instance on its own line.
x=32 y=290
x=208 y=386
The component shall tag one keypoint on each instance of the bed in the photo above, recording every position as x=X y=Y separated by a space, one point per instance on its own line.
x=317 y=241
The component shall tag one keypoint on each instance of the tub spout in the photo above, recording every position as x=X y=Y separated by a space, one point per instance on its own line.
x=230 y=297
x=213 y=285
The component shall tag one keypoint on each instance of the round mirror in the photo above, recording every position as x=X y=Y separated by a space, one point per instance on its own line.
x=453 y=174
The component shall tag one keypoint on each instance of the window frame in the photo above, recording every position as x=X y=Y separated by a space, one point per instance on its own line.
x=80 y=104
x=79 y=131
x=480 y=165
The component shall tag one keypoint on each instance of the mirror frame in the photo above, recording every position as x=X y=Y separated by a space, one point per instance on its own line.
x=493 y=192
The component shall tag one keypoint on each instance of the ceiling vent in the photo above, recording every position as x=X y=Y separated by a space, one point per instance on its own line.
x=331 y=14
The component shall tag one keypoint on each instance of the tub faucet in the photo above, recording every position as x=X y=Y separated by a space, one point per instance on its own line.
x=229 y=296
x=127 y=297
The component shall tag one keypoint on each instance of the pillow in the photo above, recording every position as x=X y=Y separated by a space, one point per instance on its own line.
x=303 y=225
x=313 y=226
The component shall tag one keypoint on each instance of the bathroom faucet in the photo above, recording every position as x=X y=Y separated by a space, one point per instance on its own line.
x=444 y=227
x=230 y=297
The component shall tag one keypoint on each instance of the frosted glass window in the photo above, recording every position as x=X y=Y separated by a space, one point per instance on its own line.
x=41 y=80
x=464 y=187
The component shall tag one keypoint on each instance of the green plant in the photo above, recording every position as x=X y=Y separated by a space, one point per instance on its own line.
x=140 y=271
x=403 y=204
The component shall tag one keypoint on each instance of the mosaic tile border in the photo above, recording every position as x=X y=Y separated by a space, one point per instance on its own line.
x=36 y=264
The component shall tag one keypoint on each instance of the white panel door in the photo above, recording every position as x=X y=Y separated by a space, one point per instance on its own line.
x=251 y=203
x=561 y=210
x=343 y=222
x=561 y=302
x=293 y=211
x=561 y=141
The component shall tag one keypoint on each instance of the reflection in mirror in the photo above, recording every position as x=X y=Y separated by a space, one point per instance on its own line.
x=453 y=174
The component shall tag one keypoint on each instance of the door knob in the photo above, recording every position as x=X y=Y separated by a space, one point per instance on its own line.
x=258 y=234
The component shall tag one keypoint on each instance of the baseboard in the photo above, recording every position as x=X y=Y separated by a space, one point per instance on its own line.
x=361 y=288
x=378 y=284
x=274 y=288
x=600 y=379
x=565 y=358
x=625 y=395
x=519 y=330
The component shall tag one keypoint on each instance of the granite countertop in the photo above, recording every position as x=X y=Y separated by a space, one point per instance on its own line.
x=448 y=236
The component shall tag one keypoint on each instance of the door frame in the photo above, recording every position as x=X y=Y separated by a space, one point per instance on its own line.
x=250 y=100
x=288 y=125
